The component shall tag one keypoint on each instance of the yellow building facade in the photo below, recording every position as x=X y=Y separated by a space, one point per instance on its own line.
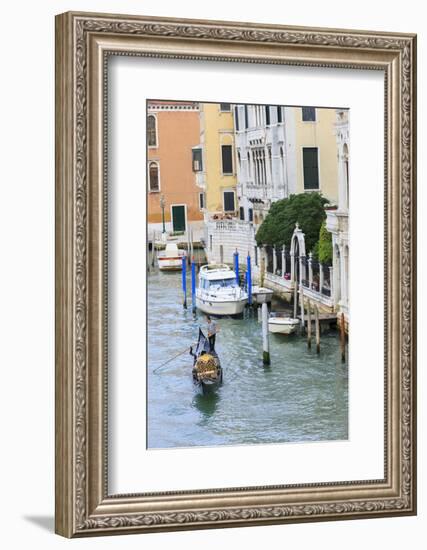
x=316 y=151
x=214 y=160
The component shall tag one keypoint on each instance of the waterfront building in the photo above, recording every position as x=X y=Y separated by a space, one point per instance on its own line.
x=293 y=264
x=337 y=220
x=214 y=161
x=262 y=144
x=172 y=132
x=282 y=151
x=279 y=151
x=316 y=151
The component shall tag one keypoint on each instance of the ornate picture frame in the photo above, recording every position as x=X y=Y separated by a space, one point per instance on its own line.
x=84 y=42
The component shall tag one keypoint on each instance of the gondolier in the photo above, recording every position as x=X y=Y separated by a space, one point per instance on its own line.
x=212 y=331
x=207 y=371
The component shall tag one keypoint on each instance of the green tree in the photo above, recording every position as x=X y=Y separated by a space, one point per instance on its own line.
x=324 y=249
x=305 y=208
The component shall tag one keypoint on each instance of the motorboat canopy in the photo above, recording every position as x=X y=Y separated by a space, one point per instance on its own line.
x=215 y=272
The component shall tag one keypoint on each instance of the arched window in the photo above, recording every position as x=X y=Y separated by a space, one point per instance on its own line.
x=151 y=131
x=153 y=177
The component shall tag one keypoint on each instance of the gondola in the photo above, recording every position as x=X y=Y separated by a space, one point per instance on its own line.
x=207 y=371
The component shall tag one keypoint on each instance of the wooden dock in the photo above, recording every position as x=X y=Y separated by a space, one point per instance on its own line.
x=326 y=318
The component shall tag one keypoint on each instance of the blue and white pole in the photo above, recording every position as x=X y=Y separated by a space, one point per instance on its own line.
x=184 y=281
x=236 y=267
x=193 y=284
x=249 y=279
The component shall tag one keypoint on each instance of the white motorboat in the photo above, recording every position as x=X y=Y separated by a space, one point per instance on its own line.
x=218 y=292
x=261 y=295
x=279 y=324
x=170 y=259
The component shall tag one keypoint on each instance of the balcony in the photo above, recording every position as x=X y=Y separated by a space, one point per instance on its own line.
x=336 y=221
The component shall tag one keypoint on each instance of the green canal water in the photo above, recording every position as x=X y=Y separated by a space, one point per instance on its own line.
x=302 y=396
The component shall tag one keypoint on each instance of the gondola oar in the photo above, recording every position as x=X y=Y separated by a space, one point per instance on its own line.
x=171 y=359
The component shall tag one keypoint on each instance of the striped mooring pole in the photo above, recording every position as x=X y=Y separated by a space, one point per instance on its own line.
x=249 y=279
x=184 y=281
x=236 y=266
x=193 y=284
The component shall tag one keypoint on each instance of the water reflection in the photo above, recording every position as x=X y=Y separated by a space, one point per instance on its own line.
x=207 y=404
x=302 y=396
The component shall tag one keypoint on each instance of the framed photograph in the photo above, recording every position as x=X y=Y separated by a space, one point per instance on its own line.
x=235 y=274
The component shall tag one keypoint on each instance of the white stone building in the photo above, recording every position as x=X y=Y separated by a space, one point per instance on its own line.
x=266 y=160
x=337 y=220
x=266 y=172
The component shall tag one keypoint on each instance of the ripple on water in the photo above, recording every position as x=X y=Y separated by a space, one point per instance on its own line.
x=301 y=397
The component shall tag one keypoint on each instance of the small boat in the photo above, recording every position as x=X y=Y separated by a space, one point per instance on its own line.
x=207 y=370
x=278 y=323
x=170 y=259
x=261 y=295
x=218 y=292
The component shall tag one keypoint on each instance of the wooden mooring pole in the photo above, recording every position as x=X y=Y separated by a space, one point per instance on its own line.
x=193 y=285
x=342 y=337
x=153 y=249
x=316 y=319
x=265 y=342
x=184 y=281
x=191 y=243
x=309 y=324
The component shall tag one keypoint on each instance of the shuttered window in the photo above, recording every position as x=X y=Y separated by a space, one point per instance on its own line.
x=279 y=113
x=309 y=114
x=267 y=115
x=151 y=131
x=251 y=214
x=246 y=117
x=154 y=184
x=242 y=213
x=311 y=167
x=197 y=160
x=236 y=118
x=227 y=159
x=229 y=201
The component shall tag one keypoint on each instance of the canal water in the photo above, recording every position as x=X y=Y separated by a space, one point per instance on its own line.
x=301 y=397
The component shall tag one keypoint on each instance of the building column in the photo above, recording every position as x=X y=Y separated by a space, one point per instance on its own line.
x=301 y=269
x=310 y=270
x=343 y=190
x=343 y=276
x=265 y=259
x=331 y=278
x=336 y=272
x=293 y=267
x=321 y=277
x=283 y=260
x=347 y=290
x=274 y=260
x=259 y=252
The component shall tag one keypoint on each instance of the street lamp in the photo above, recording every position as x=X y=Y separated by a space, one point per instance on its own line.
x=162 y=206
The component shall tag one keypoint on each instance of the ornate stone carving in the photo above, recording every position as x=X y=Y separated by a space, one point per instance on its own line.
x=84 y=26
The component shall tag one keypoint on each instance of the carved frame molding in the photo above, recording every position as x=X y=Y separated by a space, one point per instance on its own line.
x=83 y=44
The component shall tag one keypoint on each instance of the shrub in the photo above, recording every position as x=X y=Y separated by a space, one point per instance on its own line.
x=305 y=208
